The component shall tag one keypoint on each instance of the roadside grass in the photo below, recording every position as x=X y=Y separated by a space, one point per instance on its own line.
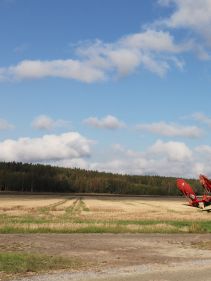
x=73 y=215
x=16 y=262
x=110 y=227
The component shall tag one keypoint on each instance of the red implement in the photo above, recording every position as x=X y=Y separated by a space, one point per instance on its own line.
x=205 y=182
x=187 y=190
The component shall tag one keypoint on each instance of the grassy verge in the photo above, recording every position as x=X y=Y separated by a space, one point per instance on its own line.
x=110 y=227
x=21 y=263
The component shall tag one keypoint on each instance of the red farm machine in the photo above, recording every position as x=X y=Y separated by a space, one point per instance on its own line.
x=204 y=202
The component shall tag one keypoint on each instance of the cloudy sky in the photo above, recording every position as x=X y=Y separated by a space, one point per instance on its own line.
x=111 y=85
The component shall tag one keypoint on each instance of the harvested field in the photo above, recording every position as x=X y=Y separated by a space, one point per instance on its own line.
x=90 y=214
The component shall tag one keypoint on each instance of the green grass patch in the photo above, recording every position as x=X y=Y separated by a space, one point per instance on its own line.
x=23 y=263
x=72 y=222
x=27 y=219
x=144 y=227
x=83 y=206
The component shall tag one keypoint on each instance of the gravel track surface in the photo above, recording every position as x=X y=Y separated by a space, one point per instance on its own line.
x=174 y=272
x=115 y=257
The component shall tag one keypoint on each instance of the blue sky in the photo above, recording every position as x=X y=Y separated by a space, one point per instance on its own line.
x=120 y=86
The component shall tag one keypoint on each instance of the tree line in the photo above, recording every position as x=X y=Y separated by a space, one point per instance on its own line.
x=23 y=177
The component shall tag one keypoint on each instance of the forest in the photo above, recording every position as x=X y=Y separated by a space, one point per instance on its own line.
x=23 y=177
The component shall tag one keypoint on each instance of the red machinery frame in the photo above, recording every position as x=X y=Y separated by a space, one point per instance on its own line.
x=188 y=192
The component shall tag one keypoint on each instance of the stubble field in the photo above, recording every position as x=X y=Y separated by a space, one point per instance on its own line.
x=99 y=214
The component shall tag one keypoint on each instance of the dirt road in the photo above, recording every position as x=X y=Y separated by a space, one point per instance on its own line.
x=115 y=257
x=174 y=273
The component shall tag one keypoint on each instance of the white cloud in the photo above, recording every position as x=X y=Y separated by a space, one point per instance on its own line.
x=97 y=61
x=5 y=125
x=152 y=49
x=192 y=15
x=107 y=122
x=48 y=148
x=162 y=158
x=174 y=151
x=72 y=163
x=44 y=122
x=153 y=40
x=73 y=150
x=204 y=149
x=171 y=129
x=70 y=69
x=202 y=118
x=164 y=2
x=189 y=13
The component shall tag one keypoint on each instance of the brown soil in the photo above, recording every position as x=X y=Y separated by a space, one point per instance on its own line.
x=113 y=250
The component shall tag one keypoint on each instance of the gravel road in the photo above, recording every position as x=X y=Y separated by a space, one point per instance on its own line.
x=121 y=257
x=174 y=272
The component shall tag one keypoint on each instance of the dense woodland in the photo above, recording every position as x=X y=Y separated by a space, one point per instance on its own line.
x=44 y=178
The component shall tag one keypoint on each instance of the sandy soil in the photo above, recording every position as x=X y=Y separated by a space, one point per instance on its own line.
x=116 y=257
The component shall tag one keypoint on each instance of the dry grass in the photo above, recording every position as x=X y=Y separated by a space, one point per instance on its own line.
x=69 y=214
x=143 y=208
x=27 y=201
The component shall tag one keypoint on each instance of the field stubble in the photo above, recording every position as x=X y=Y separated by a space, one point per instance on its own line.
x=71 y=214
